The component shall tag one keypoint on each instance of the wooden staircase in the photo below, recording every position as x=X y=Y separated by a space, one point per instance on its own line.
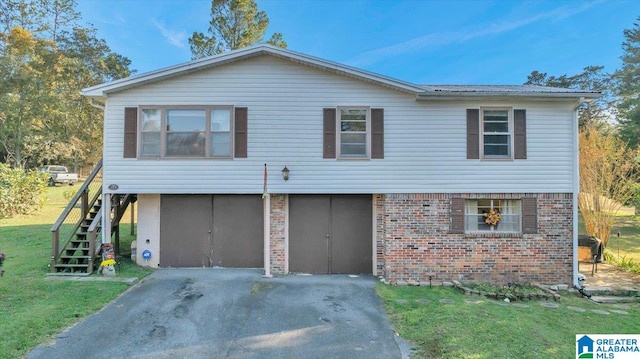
x=79 y=256
x=77 y=234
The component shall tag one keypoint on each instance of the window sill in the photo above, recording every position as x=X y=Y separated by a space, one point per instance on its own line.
x=497 y=159
x=494 y=234
x=353 y=158
x=184 y=158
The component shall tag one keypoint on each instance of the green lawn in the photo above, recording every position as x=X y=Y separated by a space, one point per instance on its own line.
x=628 y=244
x=492 y=329
x=33 y=308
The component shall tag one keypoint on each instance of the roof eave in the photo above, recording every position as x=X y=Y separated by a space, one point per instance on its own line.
x=447 y=96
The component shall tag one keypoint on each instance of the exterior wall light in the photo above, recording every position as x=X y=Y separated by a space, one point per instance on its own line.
x=285 y=173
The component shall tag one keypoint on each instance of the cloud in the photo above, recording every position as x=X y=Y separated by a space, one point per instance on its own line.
x=469 y=33
x=175 y=38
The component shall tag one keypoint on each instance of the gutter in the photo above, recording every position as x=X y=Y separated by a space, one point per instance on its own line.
x=576 y=190
x=463 y=95
x=96 y=105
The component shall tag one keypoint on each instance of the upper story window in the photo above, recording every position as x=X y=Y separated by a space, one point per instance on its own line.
x=497 y=132
x=354 y=132
x=186 y=132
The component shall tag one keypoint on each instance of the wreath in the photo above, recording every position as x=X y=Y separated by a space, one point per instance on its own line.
x=492 y=217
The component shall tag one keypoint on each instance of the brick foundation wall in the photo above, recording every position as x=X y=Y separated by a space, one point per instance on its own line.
x=417 y=242
x=278 y=233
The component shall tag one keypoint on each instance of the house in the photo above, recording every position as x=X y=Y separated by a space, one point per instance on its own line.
x=404 y=181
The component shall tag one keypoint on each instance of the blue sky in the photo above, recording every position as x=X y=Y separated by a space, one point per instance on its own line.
x=420 y=41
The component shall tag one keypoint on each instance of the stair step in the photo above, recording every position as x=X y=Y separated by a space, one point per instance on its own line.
x=614 y=299
x=612 y=292
x=62 y=265
x=67 y=274
x=76 y=257
x=69 y=252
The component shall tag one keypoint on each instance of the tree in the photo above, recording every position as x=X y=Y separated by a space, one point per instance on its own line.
x=22 y=78
x=46 y=58
x=628 y=87
x=234 y=24
x=592 y=78
x=20 y=191
x=608 y=173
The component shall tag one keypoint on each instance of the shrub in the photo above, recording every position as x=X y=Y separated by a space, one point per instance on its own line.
x=20 y=192
x=623 y=262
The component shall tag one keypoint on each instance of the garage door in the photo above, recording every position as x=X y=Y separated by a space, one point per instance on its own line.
x=211 y=230
x=330 y=234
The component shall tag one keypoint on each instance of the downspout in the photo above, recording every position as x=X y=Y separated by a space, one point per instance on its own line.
x=576 y=189
x=106 y=217
x=266 y=202
x=106 y=197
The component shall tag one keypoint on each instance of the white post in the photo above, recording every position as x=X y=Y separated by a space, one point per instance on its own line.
x=267 y=235
x=576 y=191
x=106 y=218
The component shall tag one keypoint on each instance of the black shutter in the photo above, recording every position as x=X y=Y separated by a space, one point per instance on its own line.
x=529 y=215
x=240 y=132
x=473 y=133
x=329 y=133
x=377 y=133
x=130 y=149
x=520 y=134
x=457 y=215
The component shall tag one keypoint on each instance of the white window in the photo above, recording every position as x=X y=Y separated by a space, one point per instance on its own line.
x=186 y=132
x=221 y=132
x=496 y=215
x=354 y=136
x=497 y=132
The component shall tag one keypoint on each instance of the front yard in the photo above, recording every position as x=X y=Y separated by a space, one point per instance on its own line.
x=32 y=308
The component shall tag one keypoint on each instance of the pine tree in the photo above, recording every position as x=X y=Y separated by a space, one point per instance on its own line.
x=628 y=86
x=234 y=24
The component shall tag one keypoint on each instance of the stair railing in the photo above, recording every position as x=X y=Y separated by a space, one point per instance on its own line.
x=75 y=213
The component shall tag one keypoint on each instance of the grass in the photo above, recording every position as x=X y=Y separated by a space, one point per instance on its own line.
x=32 y=308
x=628 y=244
x=488 y=330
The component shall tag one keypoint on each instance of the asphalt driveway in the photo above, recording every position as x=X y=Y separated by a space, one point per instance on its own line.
x=234 y=313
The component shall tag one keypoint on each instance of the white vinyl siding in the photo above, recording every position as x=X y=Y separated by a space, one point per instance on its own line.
x=424 y=141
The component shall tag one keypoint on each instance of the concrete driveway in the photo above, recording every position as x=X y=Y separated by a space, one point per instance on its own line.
x=234 y=313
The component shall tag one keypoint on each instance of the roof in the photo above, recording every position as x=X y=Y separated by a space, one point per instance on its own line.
x=101 y=91
x=452 y=91
x=422 y=92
